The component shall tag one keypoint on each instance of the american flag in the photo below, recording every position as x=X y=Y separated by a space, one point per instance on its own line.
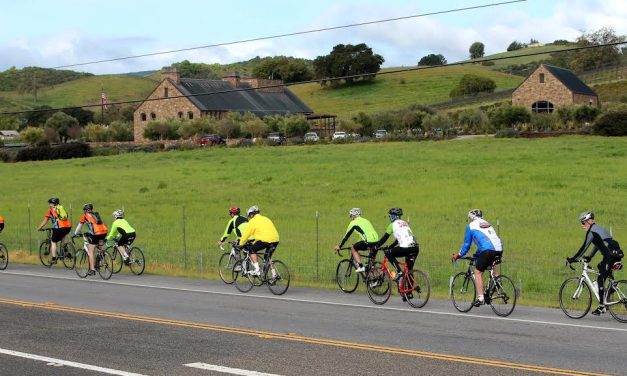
x=105 y=101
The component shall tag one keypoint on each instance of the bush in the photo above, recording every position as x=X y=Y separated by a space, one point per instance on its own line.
x=586 y=114
x=42 y=153
x=509 y=116
x=97 y=133
x=121 y=130
x=34 y=136
x=545 y=122
x=612 y=124
x=162 y=130
x=471 y=84
x=507 y=133
x=473 y=121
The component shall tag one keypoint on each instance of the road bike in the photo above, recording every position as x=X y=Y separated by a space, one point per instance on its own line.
x=346 y=275
x=273 y=273
x=576 y=293
x=65 y=252
x=500 y=292
x=413 y=285
x=4 y=256
x=227 y=262
x=136 y=260
x=103 y=260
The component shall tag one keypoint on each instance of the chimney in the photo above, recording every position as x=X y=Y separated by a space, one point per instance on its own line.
x=232 y=78
x=172 y=74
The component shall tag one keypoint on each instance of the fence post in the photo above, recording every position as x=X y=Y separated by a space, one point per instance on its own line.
x=200 y=263
x=317 y=245
x=30 y=233
x=184 y=243
x=520 y=290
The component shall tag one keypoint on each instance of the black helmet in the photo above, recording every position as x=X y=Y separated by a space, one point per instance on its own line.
x=53 y=200
x=397 y=212
x=88 y=207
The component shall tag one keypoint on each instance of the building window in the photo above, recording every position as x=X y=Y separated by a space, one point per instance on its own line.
x=165 y=92
x=541 y=78
x=542 y=106
x=153 y=116
x=143 y=116
x=180 y=114
x=190 y=115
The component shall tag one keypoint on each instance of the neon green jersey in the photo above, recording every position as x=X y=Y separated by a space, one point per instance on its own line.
x=119 y=227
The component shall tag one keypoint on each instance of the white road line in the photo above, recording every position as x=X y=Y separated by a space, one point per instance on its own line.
x=269 y=297
x=232 y=371
x=56 y=362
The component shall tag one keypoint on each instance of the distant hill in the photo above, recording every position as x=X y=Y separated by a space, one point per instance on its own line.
x=138 y=74
x=26 y=79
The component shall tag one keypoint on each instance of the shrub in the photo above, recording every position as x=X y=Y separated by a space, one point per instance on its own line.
x=65 y=151
x=612 y=124
x=162 y=130
x=471 y=84
x=121 y=130
x=33 y=136
x=97 y=133
x=438 y=124
x=586 y=114
x=508 y=117
x=473 y=120
x=545 y=122
x=507 y=133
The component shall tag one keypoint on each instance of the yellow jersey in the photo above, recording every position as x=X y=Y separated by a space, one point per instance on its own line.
x=262 y=229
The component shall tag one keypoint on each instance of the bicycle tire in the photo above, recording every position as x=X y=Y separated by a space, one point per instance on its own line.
x=378 y=286
x=225 y=267
x=241 y=278
x=503 y=296
x=68 y=255
x=116 y=257
x=463 y=292
x=4 y=256
x=104 y=265
x=138 y=261
x=277 y=277
x=575 y=302
x=618 y=310
x=418 y=282
x=82 y=263
x=45 y=255
x=346 y=276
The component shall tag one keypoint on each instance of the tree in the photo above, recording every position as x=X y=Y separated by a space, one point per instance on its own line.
x=38 y=117
x=84 y=117
x=194 y=70
x=515 y=45
x=227 y=127
x=432 y=60
x=33 y=136
x=595 y=58
x=471 y=84
x=283 y=68
x=348 y=60
x=9 y=123
x=255 y=127
x=476 y=50
x=61 y=122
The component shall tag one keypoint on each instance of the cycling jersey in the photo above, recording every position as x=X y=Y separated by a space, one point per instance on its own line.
x=261 y=229
x=483 y=235
x=120 y=227
x=94 y=224
x=236 y=224
x=403 y=235
x=364 y=228
x=58 y=217
x=601 y=239
x=1 y=223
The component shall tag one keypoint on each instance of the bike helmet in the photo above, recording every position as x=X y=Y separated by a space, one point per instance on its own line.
x=54 y=201
x=474 y=214
x=253 y=210
x=234 y=211
x=395 y=213
x=586 y=216
x=119 y=213
x=87 y=207
x=354 y=212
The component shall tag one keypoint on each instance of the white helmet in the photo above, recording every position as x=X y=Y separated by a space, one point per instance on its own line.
x=474 y=214
x=119 y=213
x=253 y=210
x=354 y=212
x=586 y=216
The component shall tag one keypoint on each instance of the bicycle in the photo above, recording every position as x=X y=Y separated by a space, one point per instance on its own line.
x=4 y=256
x=346 y=276
x=137 y=262
x=413 y=285
x=66 y=252
x=227 y=262
x=274 y=273
x=500 y=292
x=103 y=260
x=576 y=297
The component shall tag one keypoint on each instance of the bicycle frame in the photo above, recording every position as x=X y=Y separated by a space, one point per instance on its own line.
x=405 y=272
x=595 y=291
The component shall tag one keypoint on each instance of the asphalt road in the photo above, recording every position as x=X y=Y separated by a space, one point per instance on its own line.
x=153 y=325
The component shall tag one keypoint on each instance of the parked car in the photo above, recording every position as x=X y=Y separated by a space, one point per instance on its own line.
x=380 y=133
x=210 y=139
x=276 y=138
x=311 y=137
x=338 y=135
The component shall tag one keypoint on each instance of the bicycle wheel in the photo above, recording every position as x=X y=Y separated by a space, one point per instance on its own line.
x=82 y=263
x=116 y=258
x=575 y=298
x=4 y=256
x=138 y=262
x=68 y=255
x=241 y=277
x=463 y=292
x=618 y=293
x=378 y=286
x=346 y=276
x=277 y=277
x=225 y=267
x=45 y=256
x=503 y=296
x=417 y=283
x=104 y=265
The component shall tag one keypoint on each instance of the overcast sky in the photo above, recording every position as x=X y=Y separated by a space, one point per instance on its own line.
x=62 y=32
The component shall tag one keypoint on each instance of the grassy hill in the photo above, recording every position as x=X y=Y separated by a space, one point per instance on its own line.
x=524 y=59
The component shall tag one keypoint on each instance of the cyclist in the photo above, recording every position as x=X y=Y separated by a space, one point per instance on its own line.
x=237 y=224
x=368 y=235
x=610 y=250
x=404 y=245
x=1 y=223
x=126 y=232
x=265 y=234
x=489 y=248
x=97 y=232
x=61 y=225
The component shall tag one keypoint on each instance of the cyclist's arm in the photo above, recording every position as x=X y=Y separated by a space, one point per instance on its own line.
x=467 y=242
x=227 y=231
x=113 y=232
x=247 y=234
x=383 y=239
x=584 y=246
x=599 y=245
x=349 y=232
x=46 y=219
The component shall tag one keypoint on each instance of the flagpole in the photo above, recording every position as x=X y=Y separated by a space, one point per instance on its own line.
x=102 y=106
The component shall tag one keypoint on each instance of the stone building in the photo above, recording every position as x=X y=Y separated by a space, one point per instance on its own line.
x=549 y=87
x=187 y=102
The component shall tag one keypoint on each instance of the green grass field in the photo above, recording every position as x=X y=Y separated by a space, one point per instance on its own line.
x=532 y=190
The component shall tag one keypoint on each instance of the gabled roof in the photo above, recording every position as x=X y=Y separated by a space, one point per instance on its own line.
x=258 y=102
x=570 y=80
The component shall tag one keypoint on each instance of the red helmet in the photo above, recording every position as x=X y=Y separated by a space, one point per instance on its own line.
x=234 y=210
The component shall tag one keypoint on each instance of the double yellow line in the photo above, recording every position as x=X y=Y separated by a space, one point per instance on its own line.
x=297 y=338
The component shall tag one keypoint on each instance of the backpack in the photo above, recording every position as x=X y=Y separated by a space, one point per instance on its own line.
x=61 y=212
x=614 y=248
x=97 y=217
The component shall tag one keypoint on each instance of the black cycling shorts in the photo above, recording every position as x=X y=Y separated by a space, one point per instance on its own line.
x=486 y=259
x=59 y=233
x=363 y=245
x=259 y=245
x=95 y=239
x=127 y=239
x=1 y=226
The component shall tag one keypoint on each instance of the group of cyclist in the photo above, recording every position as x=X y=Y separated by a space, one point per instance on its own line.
x=122 y=233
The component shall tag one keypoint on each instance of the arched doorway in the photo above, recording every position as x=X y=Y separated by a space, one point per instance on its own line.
x=542 y=106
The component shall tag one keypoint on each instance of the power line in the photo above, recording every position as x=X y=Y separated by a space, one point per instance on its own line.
x=321 y=79
x=289 y=34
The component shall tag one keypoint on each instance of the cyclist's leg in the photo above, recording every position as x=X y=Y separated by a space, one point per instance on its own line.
x=392 y=253
x=412 y=255
x=355 y=248
x=485 y=259
x=54 y=239
x=256 y=247
x=605 y=269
